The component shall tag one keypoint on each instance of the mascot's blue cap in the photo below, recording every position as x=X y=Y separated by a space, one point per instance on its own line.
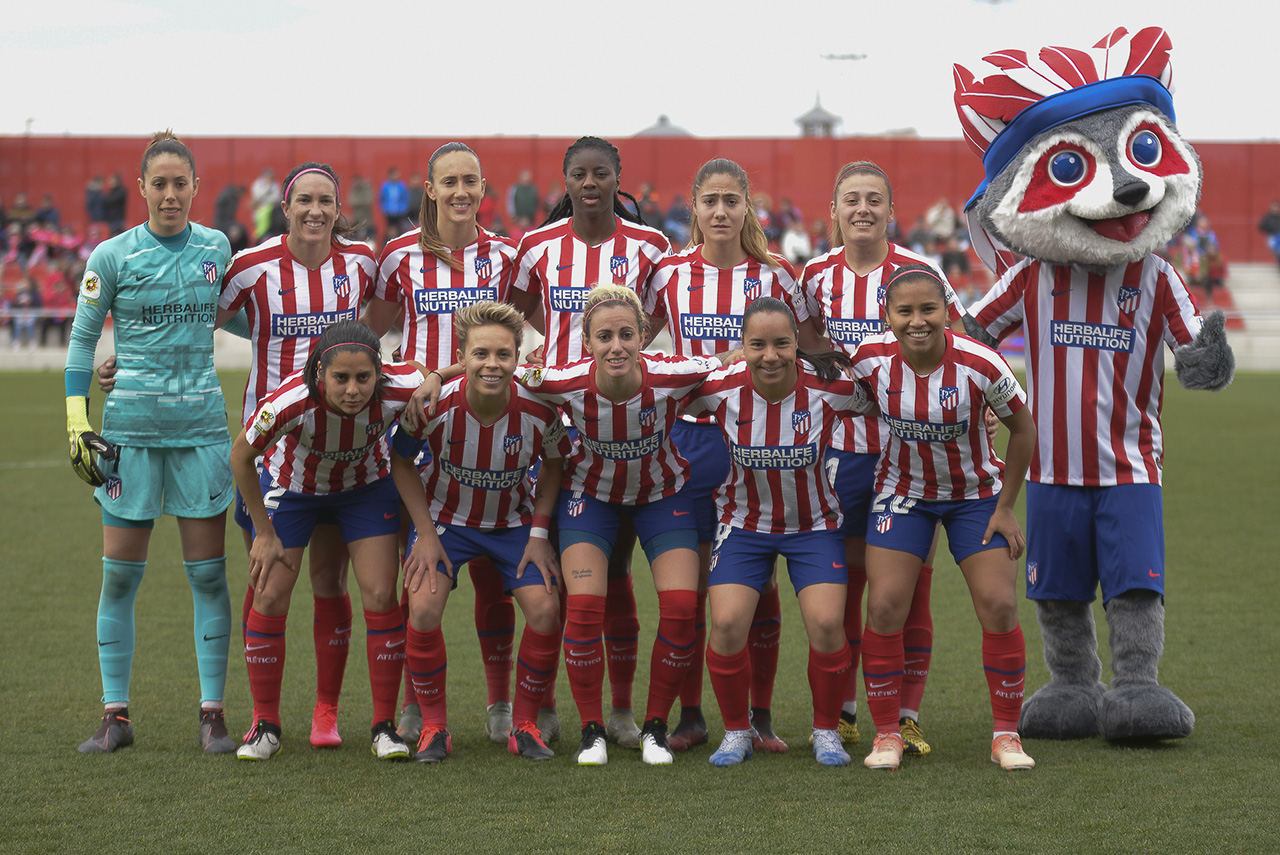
x=1065 y=106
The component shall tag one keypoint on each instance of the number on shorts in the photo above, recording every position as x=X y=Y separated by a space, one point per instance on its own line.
x=892 y=503
x=271 y=498
x=832 y=464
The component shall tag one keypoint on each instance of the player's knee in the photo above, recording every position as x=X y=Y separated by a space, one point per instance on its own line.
x=207 y=577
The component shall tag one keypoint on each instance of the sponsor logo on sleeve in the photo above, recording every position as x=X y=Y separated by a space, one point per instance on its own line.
x=91 y=285
x=266 y=418
x=1004 y=390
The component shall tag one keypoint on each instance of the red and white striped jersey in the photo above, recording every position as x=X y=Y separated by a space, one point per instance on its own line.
x=778 y=483
x=624 y=453
x=1096 y=365
x=851 y=307
x=554 y=264
x=703 y=304
x=936 y=444
x=430 y=291
x=309 y=448
x=289 y=305
x=478 y=475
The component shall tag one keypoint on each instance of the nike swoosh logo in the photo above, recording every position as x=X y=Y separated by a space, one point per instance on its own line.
x=682 y=513
x=1009 y=685
x=342 y=631
x=105 y=643
x=256 y=647
x=580 y=652
x=1153 y=574
x=880 y=685
x=1059 y=293
x=393 y=644
x=765 y=636
x=914 y=661
x=680 y=657
x=894 y=392
x=389 y=516
x=284 y=291
x=835 y=566
x=456 y=441
x=696 y=287
x=564 y=266
x=213 y=497
x=744 y=421
x=502 y=648
x=215 y=638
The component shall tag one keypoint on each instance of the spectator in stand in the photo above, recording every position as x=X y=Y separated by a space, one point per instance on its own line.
x=648 y=202
x=522 y=199
x=26 y=300
x=941 y=219
x=678 y=221
x=1269 y=225
x=954 y=262
x=264 y=197
x=58 y=300
x=920 y=238
x=416 y=190
x=360 y=203
x=225 y=208
x=768 y=222
x=487 y=213
x=20 y=212
x=819 y=242
x=796 y=247
x=788 y=213
x=48 y=214
x=94 y=206
x=114 y=201
x=555 y=192
x=393 y=199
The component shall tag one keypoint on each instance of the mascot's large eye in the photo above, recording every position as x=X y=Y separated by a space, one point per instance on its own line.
x=1067 y=168
x=1145 y=148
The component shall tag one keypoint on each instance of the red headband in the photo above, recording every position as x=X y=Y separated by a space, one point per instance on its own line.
x=350 y=344
x=323 y=172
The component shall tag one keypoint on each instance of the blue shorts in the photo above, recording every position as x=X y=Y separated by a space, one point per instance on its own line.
x=704 y=446
x=744 y=557
x=367 y=511
x=853 y=477
x=1080 y=537
x=183 y=482
x=660 y=526
x=503 y=546
x=908 y=525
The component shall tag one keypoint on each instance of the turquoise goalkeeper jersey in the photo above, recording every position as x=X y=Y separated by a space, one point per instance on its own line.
x=162 y=294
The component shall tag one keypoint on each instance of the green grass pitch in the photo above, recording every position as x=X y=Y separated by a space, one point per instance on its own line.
x=1214 y=792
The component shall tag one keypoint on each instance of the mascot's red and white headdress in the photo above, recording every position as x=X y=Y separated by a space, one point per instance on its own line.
x=1025 y=95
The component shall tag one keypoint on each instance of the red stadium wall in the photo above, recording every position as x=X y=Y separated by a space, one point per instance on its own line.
x=1241 y=179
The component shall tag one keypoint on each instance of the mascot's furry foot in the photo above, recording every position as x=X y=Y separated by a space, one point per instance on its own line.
x=1069 y=707
x=1137 y=707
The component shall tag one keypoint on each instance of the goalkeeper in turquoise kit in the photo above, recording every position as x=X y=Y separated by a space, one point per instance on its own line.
x=164 y=446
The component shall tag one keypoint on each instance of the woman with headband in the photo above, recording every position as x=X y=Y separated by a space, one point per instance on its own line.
x=449 y=262
x=291 y=288
x=164 y=442
x=322 y=435
x=938 y=466
x=844 y=294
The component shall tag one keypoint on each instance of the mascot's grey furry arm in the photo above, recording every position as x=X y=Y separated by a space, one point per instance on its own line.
x=1086 y=176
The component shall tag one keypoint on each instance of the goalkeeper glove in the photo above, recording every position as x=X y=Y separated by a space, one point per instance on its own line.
x=86 y=446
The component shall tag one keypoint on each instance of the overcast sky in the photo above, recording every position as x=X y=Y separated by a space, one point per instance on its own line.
x=560 y=68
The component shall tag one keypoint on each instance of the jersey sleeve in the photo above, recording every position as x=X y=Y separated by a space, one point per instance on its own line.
x=1182 y=318
x=526 y=277
x=270 y=422
x=555 y=439
x=386 y=285
x=236 y=283
x=1001 y=310
x=1005 y=395
x=792 y=294
x=97 y=292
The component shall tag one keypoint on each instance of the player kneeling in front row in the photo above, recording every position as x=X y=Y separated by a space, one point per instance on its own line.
x=931 y=386
x=487 y=432
x=322 y=435
x=777 y=410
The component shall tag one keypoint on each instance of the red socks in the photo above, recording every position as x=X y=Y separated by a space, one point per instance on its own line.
x=853 y=628
x=622 y=638
x=426 y=668
x=882 y=670
x=672 y=651
x=264 y=657
x=828 y=676
x=332 y=634
x=385 y=647
x=917 y=642
x=1004 y=659
x=731 y=681
x=496 y=627
x=535 y=671
x=762 y=644
x=410 y=697
x=691 y=691
x=584 y=654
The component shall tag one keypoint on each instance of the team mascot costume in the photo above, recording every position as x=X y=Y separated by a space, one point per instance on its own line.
x=1086 y=177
